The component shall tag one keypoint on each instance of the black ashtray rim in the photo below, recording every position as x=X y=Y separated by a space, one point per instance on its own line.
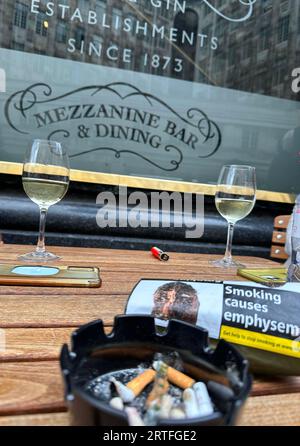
x=141 y=329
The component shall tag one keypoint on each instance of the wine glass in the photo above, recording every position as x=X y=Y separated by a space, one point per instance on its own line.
x=45 y=181
x=235 y=198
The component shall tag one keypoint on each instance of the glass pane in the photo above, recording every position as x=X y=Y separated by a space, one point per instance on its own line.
x=156 y=88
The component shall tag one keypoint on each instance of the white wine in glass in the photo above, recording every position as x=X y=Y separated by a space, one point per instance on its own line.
x=45 y=181
x=235 y=198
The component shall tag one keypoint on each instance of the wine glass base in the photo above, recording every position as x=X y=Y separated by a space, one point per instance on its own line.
x=36 y=256
x=225 y=263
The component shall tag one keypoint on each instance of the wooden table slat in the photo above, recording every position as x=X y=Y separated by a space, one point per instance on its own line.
x=272 y=411
x=262 y=411
x=35 y=344
x=46 y=419
x=51 y=311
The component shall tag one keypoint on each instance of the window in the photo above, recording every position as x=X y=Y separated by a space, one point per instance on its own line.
x=232 y=56
x=96 y=49
x=206 y=10
x=18 y=46
x=260 y=83
x=235 y=11
x=132 y=62
x=41 y=25
x=100 y=7
x=283 y=29
x=116 y=19
x=164 y=11
x=279 y=74
x=266 y=5
x=284 y=6
x=61 y=33
x=221 y=27
x=20 y=16
x=232 y=52
x=79 y=37
x=132 y=19
x=247 y=49
x=264 y=40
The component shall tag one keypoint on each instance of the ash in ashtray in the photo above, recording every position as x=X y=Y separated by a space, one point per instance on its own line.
x=151 y=392
x=103 y=388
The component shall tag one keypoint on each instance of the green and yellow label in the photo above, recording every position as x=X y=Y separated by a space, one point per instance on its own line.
x=261 y=341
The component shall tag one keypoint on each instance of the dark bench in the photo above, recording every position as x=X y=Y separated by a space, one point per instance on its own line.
x=73 y=223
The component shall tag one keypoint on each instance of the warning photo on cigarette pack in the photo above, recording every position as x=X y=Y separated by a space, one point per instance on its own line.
x=243 y=313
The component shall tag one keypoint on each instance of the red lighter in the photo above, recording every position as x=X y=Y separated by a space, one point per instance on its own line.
x=159 y=254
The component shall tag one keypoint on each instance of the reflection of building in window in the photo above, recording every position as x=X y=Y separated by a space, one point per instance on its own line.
x=20 y=16
x=79 y=37
x=41 y=52
x=187 y=24
x=266 y=5
x=242 y=56
x=283 y=29
x=232 y=56
x=260 y=82
x=206 y=10
x=279 y=74
x=100 y=7
x=98 y=47
x=271 y=34
x=265 y=36
x=117 y=19
x=221 y=27
x=130 y=65
x=284 y=6
x=132 y=19
x=61 y=32
x=247 y=49
x=18 y=46
x=41 y=26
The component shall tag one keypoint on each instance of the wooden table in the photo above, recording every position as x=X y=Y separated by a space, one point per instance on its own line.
x=36 y=321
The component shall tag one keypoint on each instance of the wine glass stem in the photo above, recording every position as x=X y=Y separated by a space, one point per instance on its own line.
x=41 y=241
x=228 y=255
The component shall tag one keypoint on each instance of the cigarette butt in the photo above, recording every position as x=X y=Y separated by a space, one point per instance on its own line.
x=160 y=388
x=117 y=403
x=178 y=378
x=124 y=393
x=134 y=418
x=138 y=384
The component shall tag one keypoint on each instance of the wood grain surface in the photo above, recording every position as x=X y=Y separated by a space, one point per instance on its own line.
x=36 y=321
x=272 y=410
x=258 y=411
